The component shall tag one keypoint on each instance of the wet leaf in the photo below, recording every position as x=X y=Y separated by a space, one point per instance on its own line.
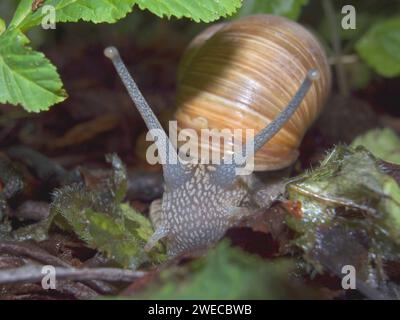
x=122 y=239
x=347 y=197
x=391 y=205
x=98 y=216
x=226 y=273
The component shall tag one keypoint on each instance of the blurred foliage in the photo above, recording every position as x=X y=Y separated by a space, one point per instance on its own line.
x=7 y=8
x=99 y=217
x=380 y=47
x=286 y=8
x=350 y=214
x=383 y=143
x=227 y=273
x=367 y=51
x=2 y=26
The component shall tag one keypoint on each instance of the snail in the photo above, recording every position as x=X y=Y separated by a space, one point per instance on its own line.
x=262 y=72
x=277 y=53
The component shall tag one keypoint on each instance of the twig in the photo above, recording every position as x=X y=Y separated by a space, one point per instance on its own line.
x=70 y=289
x=31 y=251
x=33 y=273
x=76 y=289
x=345 y=59
x=34 y=252
x=337 y=46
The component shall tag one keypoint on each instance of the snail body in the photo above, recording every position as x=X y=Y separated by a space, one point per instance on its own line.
x=261 y=72
x=240 y=74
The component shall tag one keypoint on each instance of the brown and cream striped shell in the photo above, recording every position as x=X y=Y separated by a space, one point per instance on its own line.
x=241 y=74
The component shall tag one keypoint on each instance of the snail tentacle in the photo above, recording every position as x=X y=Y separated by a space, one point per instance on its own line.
x=175 y=173
x=272 y=128
x=160 y=233
x=225 y=174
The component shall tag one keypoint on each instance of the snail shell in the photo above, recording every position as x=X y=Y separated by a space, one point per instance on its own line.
x=241 y=74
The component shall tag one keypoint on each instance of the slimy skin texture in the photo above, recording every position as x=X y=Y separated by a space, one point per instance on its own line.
x=199 y=212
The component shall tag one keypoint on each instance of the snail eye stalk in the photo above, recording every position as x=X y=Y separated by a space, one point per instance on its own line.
x=175 y=174
x=225 y=174
x=272 y=128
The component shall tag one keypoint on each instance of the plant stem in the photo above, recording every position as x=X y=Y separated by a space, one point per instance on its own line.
x=330 y=14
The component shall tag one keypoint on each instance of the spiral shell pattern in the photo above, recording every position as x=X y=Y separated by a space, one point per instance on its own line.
x=241 y=74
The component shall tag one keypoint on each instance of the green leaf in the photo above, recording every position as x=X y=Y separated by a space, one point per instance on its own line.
x=144 y=230
x=27 y=77
x=380 y=47
x=38 y=90
x=383 y=143
x=345 y=200
x=226 y=273
x=287 y=8
x=121 y=239
x=112 y=10
x=198 y=10
x=96 y=11
x=2 y=26
x=99 y=218
x=23 y=10
x=391 y=204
